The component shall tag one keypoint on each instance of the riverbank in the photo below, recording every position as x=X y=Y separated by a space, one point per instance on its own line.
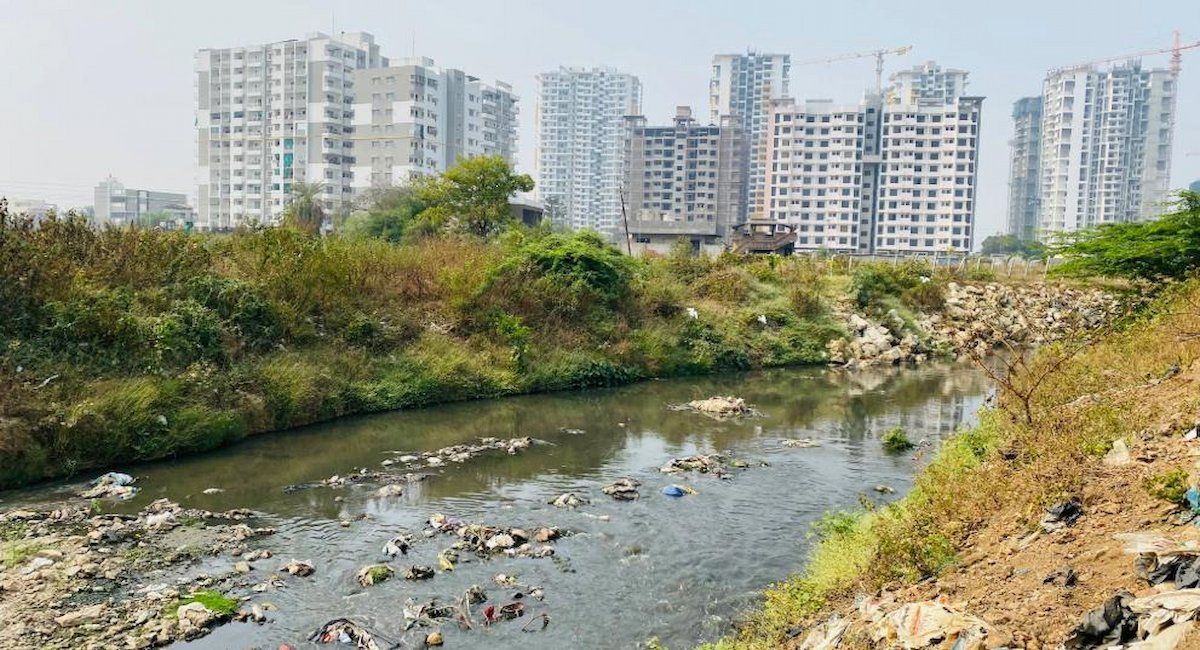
x=120 y=346
x=976 y=550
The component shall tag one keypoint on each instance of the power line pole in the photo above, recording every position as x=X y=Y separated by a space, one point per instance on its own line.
x=625 y=218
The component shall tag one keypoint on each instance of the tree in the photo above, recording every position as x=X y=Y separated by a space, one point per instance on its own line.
x=305 y=212
x=1012 y=245
x=473 y=195
x=389 y=213
x=1168 y=247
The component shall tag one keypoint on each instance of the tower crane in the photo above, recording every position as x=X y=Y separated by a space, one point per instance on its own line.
x=1176 y=51
x=878 y=54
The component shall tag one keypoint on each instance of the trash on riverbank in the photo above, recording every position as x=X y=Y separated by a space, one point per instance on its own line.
x=1159 y=620
x=623 y=489
x=826 y=635
x=1061 y=515
x=717 y=407
x=507 y=612
x=484 y=540
x=1162 y=560
x=341 y=630
x=1118 y=455
x=677 y=491
x=459 y=453
x=568 y=500
x=375 y=574
x=922 y=624
x=112 y=485
x=397 y=545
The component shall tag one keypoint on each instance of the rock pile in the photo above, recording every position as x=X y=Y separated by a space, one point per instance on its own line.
x=976 y=319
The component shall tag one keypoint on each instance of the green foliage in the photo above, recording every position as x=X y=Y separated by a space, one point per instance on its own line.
x=881 y=286
x=1168 y=247
x=305 y=211
x=895 y=441
x=1012 y=245
x=472 y=196
x=214 y=601
x=1170 y=486
x=392 y=214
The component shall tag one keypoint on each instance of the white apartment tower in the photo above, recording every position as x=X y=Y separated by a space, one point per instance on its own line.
x=580 y=148
x=742 y=86
x=925 y=84
x=877 y=176
x=270 y=115
x=413 y=119
x=1106 y=145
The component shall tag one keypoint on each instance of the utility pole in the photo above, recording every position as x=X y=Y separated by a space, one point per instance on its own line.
x=625 y=218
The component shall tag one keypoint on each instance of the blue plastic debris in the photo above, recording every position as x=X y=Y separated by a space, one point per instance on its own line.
x=673 y=491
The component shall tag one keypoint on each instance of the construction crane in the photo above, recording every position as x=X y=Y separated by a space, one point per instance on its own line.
x=878 y=54
x=1176 y=51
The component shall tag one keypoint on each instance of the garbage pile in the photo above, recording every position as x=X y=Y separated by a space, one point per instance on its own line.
x=1158 y=620
x=113 y=485
x=704 y=463
x=458 y=453
x=486 y=541
x=923 y=624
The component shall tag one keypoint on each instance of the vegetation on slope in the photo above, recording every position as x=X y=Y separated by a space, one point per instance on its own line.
x=1012 y=464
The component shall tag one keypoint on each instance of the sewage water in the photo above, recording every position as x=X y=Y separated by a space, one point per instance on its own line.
x=680 y=569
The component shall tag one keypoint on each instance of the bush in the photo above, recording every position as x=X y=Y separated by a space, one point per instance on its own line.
x=895 y=441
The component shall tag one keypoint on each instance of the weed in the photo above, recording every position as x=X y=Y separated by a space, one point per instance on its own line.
x=895 y=441
x=214 y=601
x=1170 y=486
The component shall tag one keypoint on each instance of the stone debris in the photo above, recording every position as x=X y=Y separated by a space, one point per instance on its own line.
x=459 y=453
x=799 y=443
x=704 y=463
x=398 y=545
x=568 y=500
x=299 y=568
x=623 y=489
x=975 y=320
x=376 y=573
x=717 y=407
x=390 y=490
x=117 y=580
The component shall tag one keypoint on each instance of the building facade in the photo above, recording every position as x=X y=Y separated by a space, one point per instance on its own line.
x=118 y=205
x=413 y=119
x=742 y=86
x=683 y=176
x=580 y=147
x=1106 y=146
x=274 y=114
x=1024 y=168
x=926 y=84
x=877 y=176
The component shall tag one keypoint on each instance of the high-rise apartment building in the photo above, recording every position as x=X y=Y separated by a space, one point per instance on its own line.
x=877 y=176
x=926 y=84
x=742 y=86
x=580 y=148
x=1105 y=145
x=684 y=173
x=1024 y=169
x=413 y=118
x=274 y=114
x=118 y=205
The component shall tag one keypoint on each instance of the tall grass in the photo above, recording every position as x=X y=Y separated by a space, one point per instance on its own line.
x=120 y=345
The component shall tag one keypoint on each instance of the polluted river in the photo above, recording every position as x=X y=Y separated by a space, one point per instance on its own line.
x=617 y=572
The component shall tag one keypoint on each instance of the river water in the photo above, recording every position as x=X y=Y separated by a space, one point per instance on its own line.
x=680 y=569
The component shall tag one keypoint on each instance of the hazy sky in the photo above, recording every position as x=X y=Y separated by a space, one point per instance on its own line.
x=92 y=88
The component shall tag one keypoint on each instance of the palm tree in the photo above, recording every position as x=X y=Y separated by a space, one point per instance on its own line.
x=305 y=211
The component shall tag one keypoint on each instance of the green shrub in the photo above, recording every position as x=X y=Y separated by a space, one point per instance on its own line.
x=894 y=440
x=1170 y=486
x=190 y=332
